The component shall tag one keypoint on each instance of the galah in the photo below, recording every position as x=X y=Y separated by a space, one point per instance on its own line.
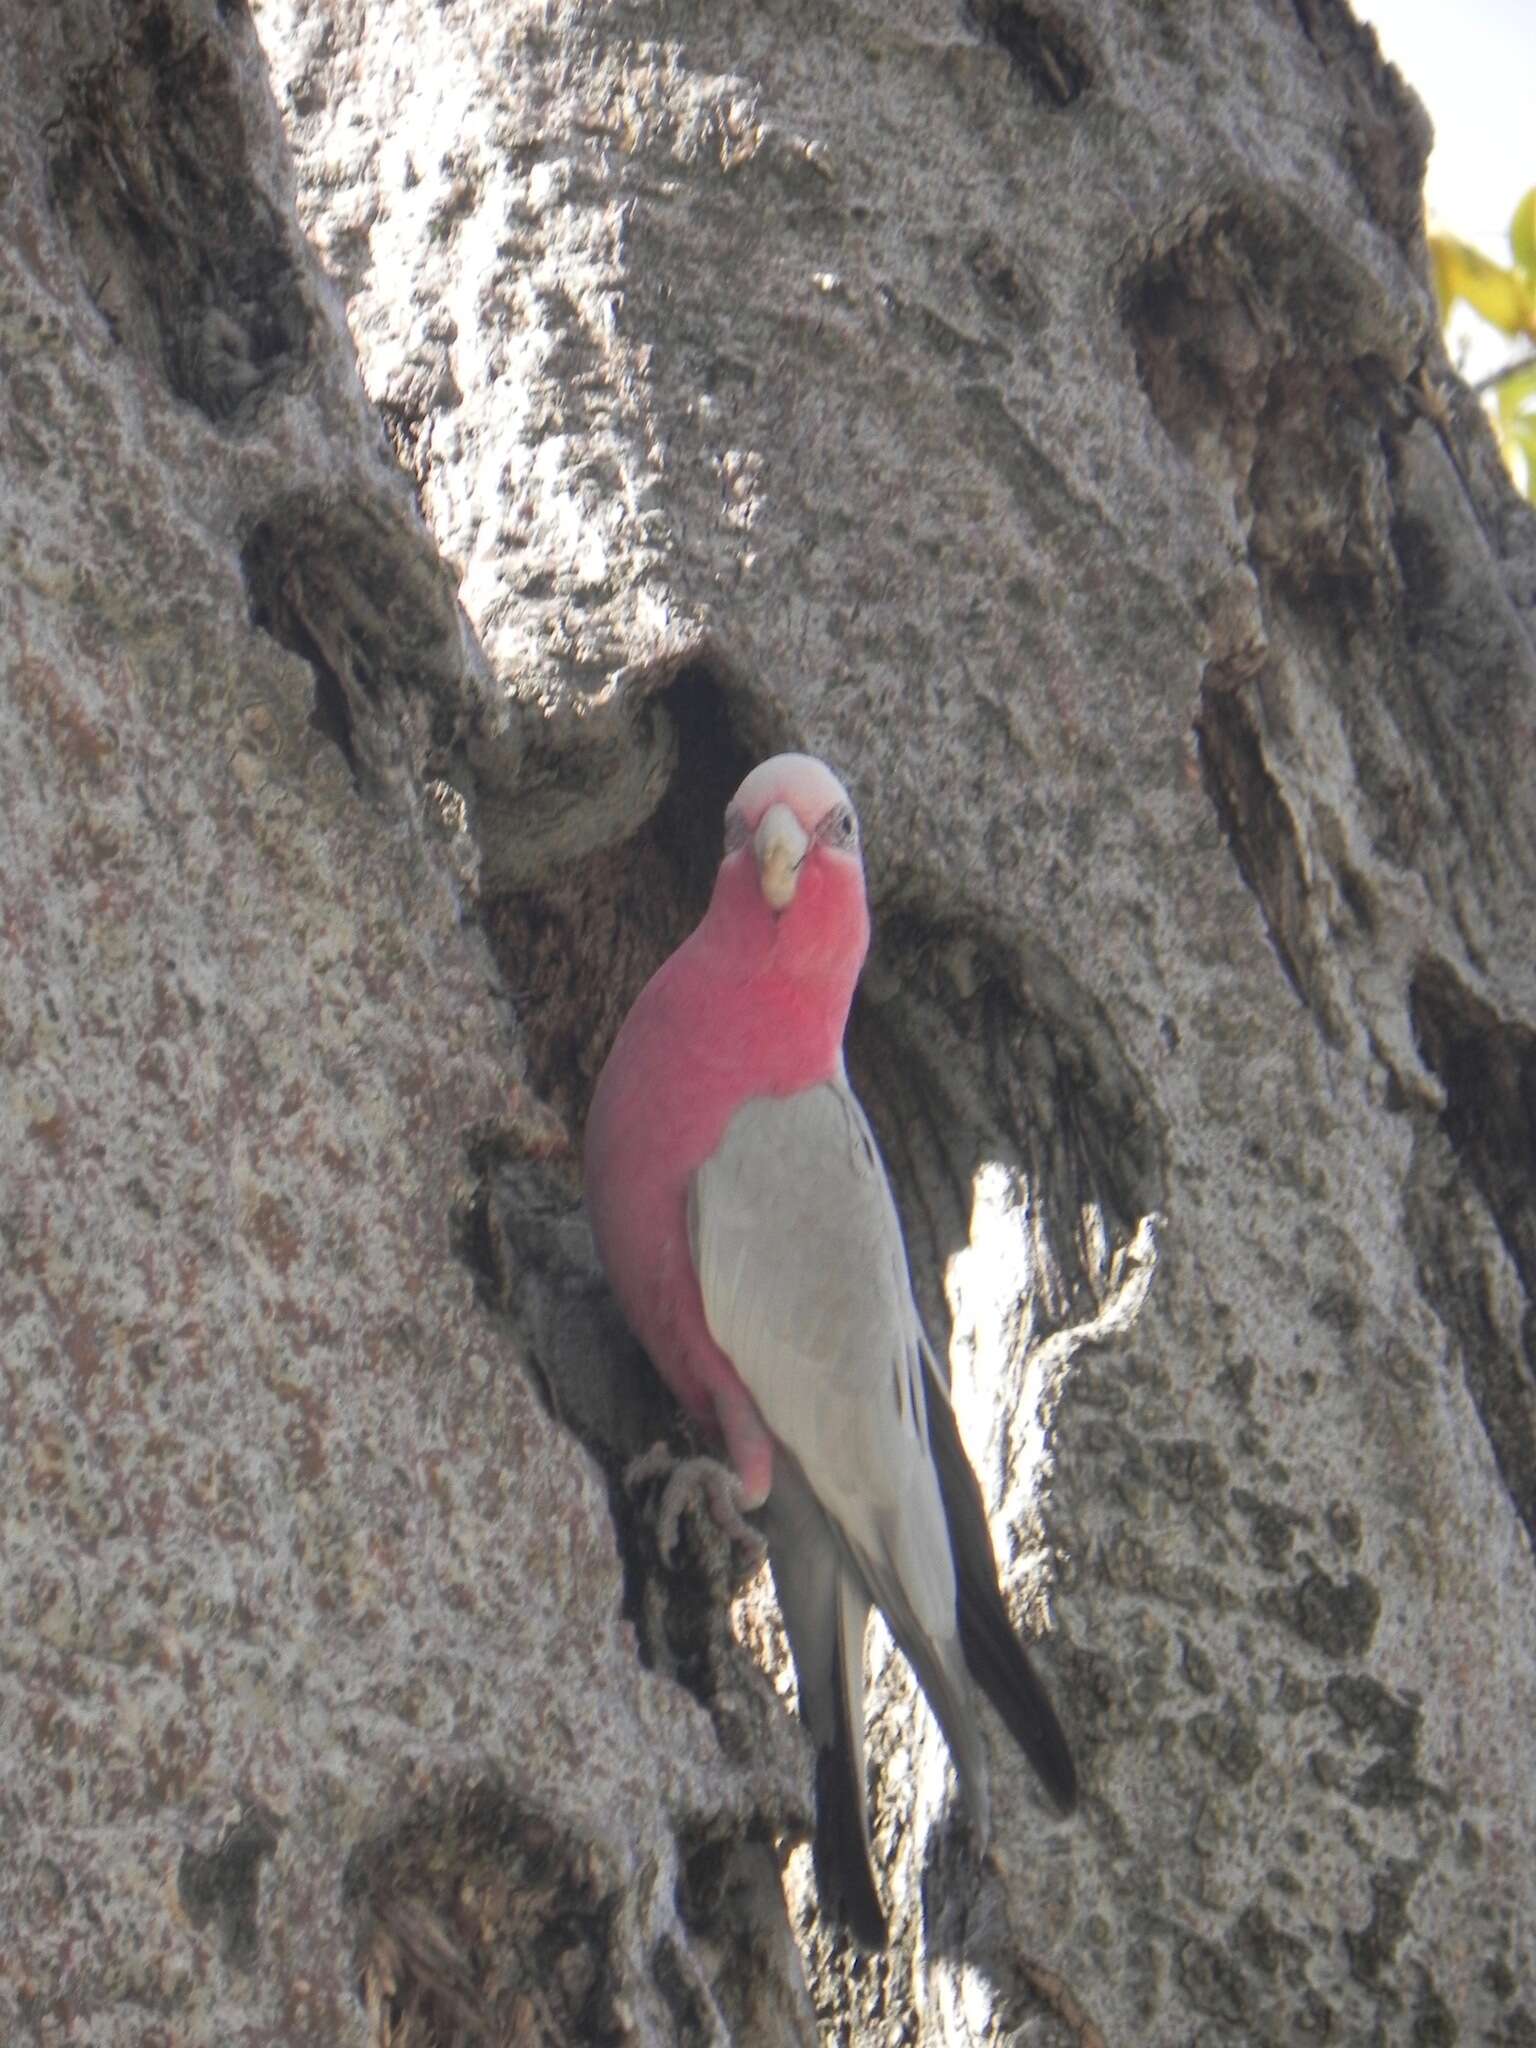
x=746 y=1223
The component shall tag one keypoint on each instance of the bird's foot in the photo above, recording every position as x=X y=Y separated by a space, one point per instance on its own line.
x=692 y=1484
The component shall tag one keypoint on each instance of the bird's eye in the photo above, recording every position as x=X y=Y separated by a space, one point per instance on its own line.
x=735 y=829
x=838 y=827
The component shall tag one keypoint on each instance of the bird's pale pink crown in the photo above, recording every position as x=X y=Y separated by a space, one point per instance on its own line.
x=807 y=785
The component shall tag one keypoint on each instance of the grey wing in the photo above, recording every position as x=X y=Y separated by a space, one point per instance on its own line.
x=805 y=1286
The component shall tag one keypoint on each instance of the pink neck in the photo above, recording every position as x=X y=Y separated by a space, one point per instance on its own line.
x=801 y=967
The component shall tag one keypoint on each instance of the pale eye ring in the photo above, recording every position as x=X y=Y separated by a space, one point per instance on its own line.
x=839 y=827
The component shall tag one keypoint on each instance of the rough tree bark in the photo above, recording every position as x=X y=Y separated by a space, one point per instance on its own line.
x=443 y=445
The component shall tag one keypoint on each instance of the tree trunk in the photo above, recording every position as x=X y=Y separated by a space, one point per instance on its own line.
x=444 y=445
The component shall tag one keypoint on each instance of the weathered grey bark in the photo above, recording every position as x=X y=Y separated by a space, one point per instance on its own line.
x=1037 y=411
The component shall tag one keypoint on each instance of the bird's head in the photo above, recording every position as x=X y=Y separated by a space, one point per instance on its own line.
x=792 y=855
x=794 y=814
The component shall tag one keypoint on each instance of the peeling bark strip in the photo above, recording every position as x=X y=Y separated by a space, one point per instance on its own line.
x=223 y=1886
x=444 y=447
x=1045 y=51
x=479 y=1920
x=186 y=257
x=1253 y=818
x=343 y=586
x=1488 y=1069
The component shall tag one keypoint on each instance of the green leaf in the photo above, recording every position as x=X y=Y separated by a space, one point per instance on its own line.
x=1503 y=297
x=1522 y=234
x=1517 y=395
x=1522 y=436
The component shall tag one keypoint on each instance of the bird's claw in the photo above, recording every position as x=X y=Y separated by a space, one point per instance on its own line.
x=688 y=1485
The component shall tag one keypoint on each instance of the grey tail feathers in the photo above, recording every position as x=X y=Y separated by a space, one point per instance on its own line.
x=996 y=1658
x=845 y=1879
x=941 y=1672
x=825 y=1607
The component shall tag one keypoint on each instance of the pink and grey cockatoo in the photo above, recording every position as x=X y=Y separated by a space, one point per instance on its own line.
x=746 y=1223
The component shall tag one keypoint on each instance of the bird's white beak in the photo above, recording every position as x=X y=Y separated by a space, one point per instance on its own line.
x=779 y=845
